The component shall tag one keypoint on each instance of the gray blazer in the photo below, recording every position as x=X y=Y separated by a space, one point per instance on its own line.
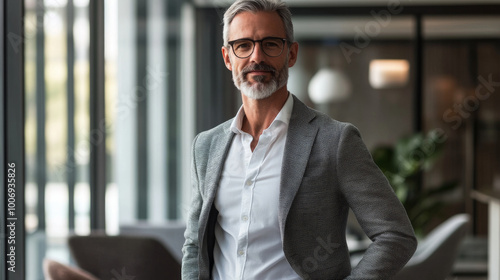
x=326 y=170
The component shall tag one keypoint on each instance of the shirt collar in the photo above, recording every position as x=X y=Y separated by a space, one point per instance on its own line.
x=283 y=116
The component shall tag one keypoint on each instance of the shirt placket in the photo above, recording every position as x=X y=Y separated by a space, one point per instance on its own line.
x=254 y=163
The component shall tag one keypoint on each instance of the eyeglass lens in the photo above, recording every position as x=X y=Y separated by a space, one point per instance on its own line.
x=271 y=46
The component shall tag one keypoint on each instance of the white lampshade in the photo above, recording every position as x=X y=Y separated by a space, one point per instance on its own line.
x=329 y=85
x=389 y=73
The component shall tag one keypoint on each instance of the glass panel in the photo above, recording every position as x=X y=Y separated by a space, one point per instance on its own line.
x=460 y=56
x=49 y=239
x=30 y=116
x=447 y=81
x=111 y=89
x=124 y=155
x=143 y=90
x=82 y=118
x=56 y=123
x=34 y=240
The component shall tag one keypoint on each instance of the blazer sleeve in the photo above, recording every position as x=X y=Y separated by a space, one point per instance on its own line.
x=378 y=210
x=190 y=250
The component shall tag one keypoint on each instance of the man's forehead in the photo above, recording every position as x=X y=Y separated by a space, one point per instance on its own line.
x=248 y=22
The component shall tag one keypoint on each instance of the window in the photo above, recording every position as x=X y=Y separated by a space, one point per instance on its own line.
x=148 y=118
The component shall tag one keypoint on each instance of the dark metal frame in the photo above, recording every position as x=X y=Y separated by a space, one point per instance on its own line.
x=41 y=164
x=142 y=111
x=97 y=117
x=172 y=12
x=12 y=131
x=215 y=96
x=3 y=148
x=418 y=70
x=70 y=85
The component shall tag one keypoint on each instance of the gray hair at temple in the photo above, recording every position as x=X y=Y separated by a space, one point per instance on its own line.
x=255 y=6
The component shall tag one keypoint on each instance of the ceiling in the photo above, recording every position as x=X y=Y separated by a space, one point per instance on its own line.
x=399 y=27
x=324 y=3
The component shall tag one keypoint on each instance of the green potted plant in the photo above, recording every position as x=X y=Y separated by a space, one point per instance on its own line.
x=403 y=165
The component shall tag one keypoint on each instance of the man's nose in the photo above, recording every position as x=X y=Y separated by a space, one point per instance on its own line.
x=258 y=54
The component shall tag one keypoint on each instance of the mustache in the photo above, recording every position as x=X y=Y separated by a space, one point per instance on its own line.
x=257 y=67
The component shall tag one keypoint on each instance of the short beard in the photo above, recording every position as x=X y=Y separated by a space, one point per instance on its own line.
x=260 y=89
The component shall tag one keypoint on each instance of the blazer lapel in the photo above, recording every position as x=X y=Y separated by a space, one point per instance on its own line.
x=217 y=159
x=219 y=146
x=300 y=138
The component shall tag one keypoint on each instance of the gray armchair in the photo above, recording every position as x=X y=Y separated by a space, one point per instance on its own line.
x=124 y=257
x=170 y=234
x=436 y=253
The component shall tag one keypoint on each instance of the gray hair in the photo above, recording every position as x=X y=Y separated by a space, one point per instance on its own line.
x=255 y=6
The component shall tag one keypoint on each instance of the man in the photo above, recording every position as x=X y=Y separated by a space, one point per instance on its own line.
x=272 y=187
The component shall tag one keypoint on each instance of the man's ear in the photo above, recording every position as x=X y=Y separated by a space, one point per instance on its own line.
x=225 y=56
x=292 y=55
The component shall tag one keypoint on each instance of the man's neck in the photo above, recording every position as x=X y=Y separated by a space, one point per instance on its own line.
x=260 y=113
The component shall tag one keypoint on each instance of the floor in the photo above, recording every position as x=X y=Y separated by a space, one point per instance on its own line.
x=472 y=260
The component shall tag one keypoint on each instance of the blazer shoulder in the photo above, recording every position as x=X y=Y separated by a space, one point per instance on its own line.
x=212 y=134
x=327 y=123
x=211 y=142
x=314 y=117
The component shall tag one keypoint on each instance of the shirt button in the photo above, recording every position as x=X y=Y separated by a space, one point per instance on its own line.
x=241 y=252
x=249 y=182
x=244 y=218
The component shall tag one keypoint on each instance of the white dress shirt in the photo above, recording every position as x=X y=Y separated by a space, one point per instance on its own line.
x=248 y=241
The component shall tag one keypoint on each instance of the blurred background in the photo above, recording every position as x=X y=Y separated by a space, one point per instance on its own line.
x=115 y=91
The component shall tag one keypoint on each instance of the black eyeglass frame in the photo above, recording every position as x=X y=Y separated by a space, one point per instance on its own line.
x=230 y=43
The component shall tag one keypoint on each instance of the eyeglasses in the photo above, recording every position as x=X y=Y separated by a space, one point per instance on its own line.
x=272 y=46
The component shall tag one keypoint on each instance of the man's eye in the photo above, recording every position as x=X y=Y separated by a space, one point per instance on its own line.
x=243 y=46
x=271 y=45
